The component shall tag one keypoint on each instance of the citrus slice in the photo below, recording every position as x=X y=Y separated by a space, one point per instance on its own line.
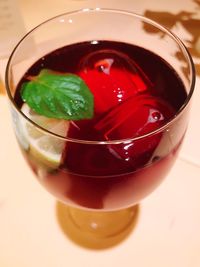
x=43 y=147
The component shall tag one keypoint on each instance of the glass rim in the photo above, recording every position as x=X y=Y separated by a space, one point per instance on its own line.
x=116 y=11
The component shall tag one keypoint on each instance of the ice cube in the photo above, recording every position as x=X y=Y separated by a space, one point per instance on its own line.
x=138 y=115
x=112 y=77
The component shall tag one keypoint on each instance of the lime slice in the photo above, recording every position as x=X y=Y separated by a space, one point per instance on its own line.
x=44 y=148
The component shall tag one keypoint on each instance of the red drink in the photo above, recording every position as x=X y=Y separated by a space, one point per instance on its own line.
x=135 y=92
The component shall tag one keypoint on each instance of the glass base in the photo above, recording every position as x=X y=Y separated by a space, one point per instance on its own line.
x=96 y=229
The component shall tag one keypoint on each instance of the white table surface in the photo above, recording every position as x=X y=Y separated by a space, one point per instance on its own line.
x=167 y=233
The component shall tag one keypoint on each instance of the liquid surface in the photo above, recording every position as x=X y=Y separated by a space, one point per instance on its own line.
x=135 y=92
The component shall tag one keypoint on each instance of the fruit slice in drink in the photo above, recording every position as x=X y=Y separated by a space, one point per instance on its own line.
x=45 y=148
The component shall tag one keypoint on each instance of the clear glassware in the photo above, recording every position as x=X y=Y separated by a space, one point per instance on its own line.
x=91 y=197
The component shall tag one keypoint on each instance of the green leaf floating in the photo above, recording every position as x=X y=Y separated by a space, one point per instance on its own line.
x=58 y=95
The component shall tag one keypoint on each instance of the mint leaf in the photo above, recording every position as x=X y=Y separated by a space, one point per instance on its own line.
x=58 y=95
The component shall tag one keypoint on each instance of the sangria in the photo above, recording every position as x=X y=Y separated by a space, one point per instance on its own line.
x=100 y=114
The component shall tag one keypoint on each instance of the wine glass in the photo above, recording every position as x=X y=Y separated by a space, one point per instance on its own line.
x=105 y=177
